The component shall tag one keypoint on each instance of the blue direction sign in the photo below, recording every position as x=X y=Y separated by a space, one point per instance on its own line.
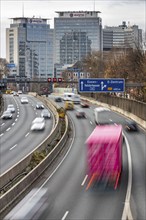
x=73 y=69
x=10 y=65
x=101 y=85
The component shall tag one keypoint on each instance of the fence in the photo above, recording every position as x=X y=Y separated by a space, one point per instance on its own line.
x=132 y=106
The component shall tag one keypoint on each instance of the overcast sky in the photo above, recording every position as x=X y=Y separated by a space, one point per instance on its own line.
x=112 y=12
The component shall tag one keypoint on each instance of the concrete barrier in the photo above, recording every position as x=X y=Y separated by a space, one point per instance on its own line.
x=140 y=121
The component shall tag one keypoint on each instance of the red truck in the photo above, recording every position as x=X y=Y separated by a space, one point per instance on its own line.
x=104 y=154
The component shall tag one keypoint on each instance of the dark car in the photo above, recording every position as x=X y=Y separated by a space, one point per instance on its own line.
x=131 y=125
x=84 y=104
x=58 y=99
x=15 y=93
x=39 y=105
x=80 y=113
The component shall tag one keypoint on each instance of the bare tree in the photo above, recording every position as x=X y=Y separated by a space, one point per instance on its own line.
x=3 y=68
x=93 y=64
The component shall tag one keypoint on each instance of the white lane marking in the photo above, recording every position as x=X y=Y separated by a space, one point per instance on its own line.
x=1 y=134
x=16 y=119
x=110 y=120
x=13 y=124
x=13 y=147
x=84 y=180
x=8 y=129
x=127 y=211
x=65 y=215
x=2 y=124
x=91 y=122
x=27 y=134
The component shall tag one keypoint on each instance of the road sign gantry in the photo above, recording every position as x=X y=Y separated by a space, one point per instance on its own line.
x=101 y=85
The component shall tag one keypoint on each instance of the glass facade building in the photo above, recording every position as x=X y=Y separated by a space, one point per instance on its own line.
x=76 y=34
x=31 y=48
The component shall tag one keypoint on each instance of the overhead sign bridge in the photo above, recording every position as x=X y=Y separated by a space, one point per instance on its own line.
x=101 y=85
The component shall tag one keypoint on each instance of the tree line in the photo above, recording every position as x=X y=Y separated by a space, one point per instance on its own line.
x=129 y=64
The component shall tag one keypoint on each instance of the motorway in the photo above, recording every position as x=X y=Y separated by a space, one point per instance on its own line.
x=16 y=139
x=67 y=184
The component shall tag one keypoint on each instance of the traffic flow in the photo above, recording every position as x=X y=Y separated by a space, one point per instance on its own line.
x=17 y=129
x=79 y=186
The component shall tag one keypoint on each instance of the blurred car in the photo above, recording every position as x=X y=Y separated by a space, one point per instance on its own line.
x=24 y=100
x=6 y=115
x=11 y=108
x=19 y=92
x=38 y=124
x=39 y=105
x=32 y=205
x=80 y=113
x=58 y=99
x=84 y=104
x=15 y=93
x=69 y=105
x=45 y=113
x=131 y=125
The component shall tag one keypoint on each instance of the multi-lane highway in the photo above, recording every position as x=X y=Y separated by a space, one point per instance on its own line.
x=16 y=138
x=67 y=184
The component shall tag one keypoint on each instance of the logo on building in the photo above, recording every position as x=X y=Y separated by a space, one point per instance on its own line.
x=77 y=15
x=35 y=20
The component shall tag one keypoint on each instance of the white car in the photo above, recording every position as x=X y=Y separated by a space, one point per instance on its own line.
x=11 y=108
x=39 y=105
x=38 y=124
x=45 y=113
x=6 y=115
x=19 y=92
x=24 y=100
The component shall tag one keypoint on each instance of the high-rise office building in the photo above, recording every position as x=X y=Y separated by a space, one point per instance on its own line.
x=76 y=34
x=29 y=46
x=121 y=37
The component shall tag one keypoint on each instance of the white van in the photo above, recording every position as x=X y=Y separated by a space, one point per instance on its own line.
x=69 y=96
x=101 y=115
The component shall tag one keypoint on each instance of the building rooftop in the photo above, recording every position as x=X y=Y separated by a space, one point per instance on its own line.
x=30 y=20
x=15 y=18
x=77 y=11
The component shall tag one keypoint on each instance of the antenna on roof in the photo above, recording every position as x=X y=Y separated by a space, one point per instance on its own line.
x=93 y=5
x=22 y=9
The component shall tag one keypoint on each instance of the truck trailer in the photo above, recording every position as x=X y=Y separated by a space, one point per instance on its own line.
x=104 y=155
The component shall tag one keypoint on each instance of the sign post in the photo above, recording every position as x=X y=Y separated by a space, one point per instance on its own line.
x=96 y=85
